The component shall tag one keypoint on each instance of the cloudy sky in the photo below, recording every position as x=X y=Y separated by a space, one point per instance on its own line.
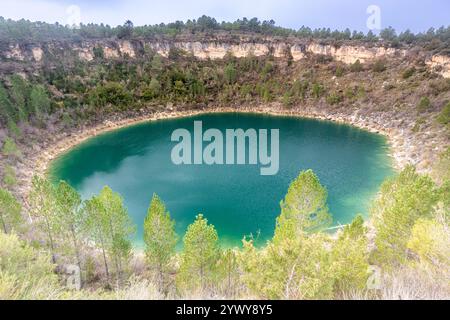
x=401 y=14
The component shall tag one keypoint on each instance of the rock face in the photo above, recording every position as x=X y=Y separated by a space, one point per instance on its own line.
x=211 y=50
x=14 y=53
x=349 y=54
x=440 y=64
x=85 y=53
x=218 y=48
x=37 y=53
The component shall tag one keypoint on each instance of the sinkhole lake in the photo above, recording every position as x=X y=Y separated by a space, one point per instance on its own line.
x=136 y=162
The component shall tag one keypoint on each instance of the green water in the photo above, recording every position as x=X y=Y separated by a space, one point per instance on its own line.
x=136 y=162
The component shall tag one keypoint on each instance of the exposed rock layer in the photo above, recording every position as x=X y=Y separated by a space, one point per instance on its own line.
x=209 y=49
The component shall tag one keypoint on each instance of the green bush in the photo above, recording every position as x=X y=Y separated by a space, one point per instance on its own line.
x=424 y=104
x=111 y=93
x=408 y=73
x=402 y=201
x=317 y=90
x=379 y=66
x=287 y=99
x=418 y=124
x=98 y=52
x=334 y=98
x=14 y=130
x=25 y=272
x=444 y=116
x=356 y=66
x=439 y=86
x=9 y=177
x=10 y=148
x=339 y=71
x=267 y=69
x=152 y=90
x=230 y=74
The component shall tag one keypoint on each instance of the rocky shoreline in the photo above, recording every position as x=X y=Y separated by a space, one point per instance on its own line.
x=65 y=141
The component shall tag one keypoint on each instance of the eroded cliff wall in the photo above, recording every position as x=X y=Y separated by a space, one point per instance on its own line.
x=297 y=50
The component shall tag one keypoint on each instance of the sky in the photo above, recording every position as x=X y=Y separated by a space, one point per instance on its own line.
x=416 y=15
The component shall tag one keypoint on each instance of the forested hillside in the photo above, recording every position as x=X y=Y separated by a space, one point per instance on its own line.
x=25 y=30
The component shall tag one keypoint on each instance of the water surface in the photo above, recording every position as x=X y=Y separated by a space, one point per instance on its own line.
x=135 y=161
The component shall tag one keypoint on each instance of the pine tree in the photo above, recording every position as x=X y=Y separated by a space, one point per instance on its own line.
x=229 y=271
x=349 y=258
x=19 y=94
x=71 y=216
x=6 y=108
x=10 y=209
x=402 y=201
x=96 y=228
x=297 y=268
x=304 y=209
x=10 y=148
x=39 y=101
x=159 y=237
x=200 y=254
x=110 y=225
x=42 y=206
x=230 y=74
x=157 y=64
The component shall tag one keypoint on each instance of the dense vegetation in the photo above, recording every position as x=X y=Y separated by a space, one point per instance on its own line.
x=410 y=220
x=74 y=91
x=24 y=30
x=404 y=243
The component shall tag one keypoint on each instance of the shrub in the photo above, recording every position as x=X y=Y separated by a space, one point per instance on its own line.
x=418 y=124
x=323 y=58
x=441 y=170
x=266 y=95
x=440 y=85
x=402 y=201
x=152 y=90
x=430 y=241
x=267 y=69
x=10 y=148
x=287 y=99
x=424 y=103
x=339 y=71
x=230 y=74
x=9 y=177
x=444 y=116
x=10 y=213
x=317 y=90
x=98 y=52
x=349 y=93
x=350 y=259
x=379 y=66
x=111 y=93
x=408 y=73
x=356 y=66
x=25 y=272
x=297 y=268
x=39 y=101
x=334 y=98
x=14 y=130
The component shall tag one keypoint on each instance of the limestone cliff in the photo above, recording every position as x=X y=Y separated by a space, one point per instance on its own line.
x=216 y=49
x=440 y=64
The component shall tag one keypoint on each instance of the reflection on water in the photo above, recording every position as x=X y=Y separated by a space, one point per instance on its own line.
x=135 y=161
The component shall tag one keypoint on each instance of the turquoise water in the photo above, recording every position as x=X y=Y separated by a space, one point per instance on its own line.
x=136 y=162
